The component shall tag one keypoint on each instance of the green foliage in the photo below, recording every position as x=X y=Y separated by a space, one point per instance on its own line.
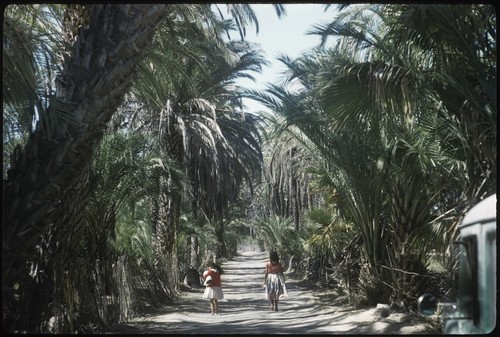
x=331 y=234
x=192 y=97
x=396 y=123
x=32 y=43
x=188 y=92
x=278 y=233
x=320 y=216
x=234 y=234
x=393 y=125
x=123 y=187
x=133 y=233
x=30 y=47
x=203 y=231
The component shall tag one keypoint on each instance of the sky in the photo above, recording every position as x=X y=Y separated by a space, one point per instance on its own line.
x=283 y=36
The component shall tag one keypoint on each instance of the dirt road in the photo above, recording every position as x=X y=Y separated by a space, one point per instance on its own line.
x=244 y=310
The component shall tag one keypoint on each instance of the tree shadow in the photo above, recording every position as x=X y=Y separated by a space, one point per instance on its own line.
x=245 y=310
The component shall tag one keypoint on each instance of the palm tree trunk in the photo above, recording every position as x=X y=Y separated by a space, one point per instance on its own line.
x=167 y=228
x=169 y=208
x=194 y=251
x=295 y=195
x=219 y=234
x=94 y=80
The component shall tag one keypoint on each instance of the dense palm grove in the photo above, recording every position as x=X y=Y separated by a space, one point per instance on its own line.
x=129 y=157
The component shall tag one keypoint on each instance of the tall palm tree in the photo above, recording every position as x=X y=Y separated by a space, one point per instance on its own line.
x=289 y=158
x=443 y=52
x=374 y=85
x=192 y=104
x=46 y=179
x=368 y=110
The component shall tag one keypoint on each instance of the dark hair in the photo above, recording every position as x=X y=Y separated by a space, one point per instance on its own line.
x=274 y=258
x=217 y=267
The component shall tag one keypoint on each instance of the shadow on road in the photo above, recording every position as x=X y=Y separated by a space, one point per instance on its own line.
x=245 y=310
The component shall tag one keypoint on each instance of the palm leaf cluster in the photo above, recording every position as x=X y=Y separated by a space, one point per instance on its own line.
x=114 y=143
x=129 y=156
x=278 y=234
x=394 y=123
x=195 y=110
x=330 y=236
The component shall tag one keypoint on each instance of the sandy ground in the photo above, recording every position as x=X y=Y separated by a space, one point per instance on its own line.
x=245 y=310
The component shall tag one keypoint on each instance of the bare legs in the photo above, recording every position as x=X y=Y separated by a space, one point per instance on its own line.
x=274 y=304
x=214 y=306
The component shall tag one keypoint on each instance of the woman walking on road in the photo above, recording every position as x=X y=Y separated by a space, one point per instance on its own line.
x=274 y=280
x=213 y=290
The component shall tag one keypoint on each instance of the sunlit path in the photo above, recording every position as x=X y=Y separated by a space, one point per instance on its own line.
x=245 y=310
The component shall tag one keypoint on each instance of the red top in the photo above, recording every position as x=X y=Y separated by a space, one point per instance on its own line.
x=274 y=268
x=215 y=277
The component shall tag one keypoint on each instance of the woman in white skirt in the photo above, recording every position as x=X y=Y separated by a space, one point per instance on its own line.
x=274 y=281
x=213 y=290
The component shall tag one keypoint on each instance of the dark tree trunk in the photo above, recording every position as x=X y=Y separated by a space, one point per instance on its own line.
x=295 y=201
x=168 y=219
x=219 y=234
x=43 y=174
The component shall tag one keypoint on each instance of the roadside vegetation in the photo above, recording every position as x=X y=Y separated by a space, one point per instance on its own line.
x=129 y=157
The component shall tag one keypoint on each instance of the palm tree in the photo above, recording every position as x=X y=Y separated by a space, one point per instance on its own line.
x=289 y=157
x=48 y=173
x=192 y=104
x=360 y=103
x=410 y=71
x=464 y=39
x=244 y=16
x=383 y=96
x=450 y=48
x=278 y=233
x=47 y=178
x=27 y=75
x=120 y=182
